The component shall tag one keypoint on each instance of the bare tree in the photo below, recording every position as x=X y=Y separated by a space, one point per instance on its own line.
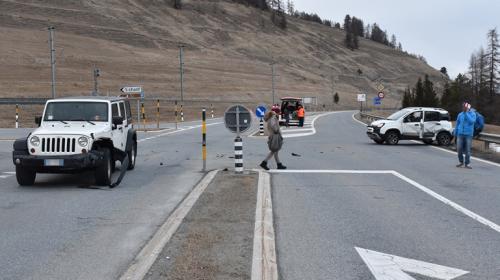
x=492 y=58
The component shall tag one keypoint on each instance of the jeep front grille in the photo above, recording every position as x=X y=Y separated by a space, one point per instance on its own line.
x=58 y=145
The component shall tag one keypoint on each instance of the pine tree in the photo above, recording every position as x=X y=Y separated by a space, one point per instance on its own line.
x=407 y=99
x=419 y=98
x=336 y=98
x=400 y=47
x=347 y=23
x=394 y=42
x=430 y=96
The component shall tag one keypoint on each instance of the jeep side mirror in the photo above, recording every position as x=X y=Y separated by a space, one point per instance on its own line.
x=38 y=120
x=117 y=120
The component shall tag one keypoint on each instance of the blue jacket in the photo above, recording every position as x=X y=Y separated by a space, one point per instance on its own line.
x=465 y=124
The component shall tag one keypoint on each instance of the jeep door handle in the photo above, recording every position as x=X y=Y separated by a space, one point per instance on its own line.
x=416 y=124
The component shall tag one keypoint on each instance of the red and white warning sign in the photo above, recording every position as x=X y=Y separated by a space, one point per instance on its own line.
x=381 y=95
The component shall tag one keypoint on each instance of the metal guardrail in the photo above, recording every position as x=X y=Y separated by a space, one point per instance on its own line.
x=487 y=138
x=23 y=101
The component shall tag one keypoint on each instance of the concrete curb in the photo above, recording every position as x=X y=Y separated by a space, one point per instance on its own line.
x=148 y=255
x=264 y=261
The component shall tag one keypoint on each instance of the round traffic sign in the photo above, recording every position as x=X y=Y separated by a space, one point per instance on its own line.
x=260 y=111
x=238 y=119
x=381 y=95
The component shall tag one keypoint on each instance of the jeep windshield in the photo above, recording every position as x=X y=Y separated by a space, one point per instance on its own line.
x=76 y=111
x=397 y=115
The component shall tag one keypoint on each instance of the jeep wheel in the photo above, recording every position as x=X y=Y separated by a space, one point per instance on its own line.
x=25 y=176
x=392 y=138
x=103 y=171
x=378 y=141
x=444 y=139
x=132 y=154
x=427 y=141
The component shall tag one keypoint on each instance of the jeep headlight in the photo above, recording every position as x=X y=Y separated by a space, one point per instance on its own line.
x=35 y=141
x=380 y=125
x=83 y=141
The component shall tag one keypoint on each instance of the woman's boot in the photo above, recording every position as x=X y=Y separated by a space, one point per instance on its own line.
x=281 y=166
x=264 y=165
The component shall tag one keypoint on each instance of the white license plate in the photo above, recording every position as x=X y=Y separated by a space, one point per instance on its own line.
x=370 y=129
x=54 y=162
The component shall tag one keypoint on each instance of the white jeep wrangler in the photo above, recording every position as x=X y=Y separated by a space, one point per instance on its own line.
x=77 y=134
x=426 y=124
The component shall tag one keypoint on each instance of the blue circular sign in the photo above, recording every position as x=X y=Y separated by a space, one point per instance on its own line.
x=260 y=111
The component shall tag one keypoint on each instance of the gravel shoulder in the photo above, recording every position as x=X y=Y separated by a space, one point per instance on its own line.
x=215 y=240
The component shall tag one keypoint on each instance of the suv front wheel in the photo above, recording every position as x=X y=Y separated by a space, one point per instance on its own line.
x=104 y=170
x=392 y=138
x=25 y=176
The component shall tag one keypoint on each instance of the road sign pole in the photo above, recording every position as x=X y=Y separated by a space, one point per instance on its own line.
x=238 y=146
x=261 y=127
x=204 y=138
x=52 y=61
x=138 y=114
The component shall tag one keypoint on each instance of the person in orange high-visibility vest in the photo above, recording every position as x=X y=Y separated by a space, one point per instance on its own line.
x=301 y=115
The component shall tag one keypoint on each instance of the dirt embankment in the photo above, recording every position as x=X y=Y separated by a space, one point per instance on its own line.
x=228 y=51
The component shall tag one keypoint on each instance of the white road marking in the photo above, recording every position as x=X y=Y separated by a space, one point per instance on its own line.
x=390 y=267
x=264 y=261
x=448 y=202
x=438 y=148
x=312 y=130
x=147 y=256
x=176 y=131
x=333 y=171
x=7 y=175
x=426 y=190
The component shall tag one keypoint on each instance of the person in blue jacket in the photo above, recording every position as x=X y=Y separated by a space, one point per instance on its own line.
x=464 y=131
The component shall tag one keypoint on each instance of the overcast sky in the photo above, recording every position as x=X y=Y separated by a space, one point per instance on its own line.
x=445 y=32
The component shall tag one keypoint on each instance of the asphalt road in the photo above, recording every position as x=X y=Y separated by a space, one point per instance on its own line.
x=321 y=219
x=63 y=229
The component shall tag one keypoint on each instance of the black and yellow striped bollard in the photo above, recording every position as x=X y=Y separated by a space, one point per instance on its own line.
x=143 y=115
x=158 y=113
x=204 y=138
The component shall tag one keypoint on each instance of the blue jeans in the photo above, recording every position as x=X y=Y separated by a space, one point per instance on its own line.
x=464 y=144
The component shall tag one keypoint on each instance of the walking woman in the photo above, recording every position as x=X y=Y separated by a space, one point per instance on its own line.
x=275 y=140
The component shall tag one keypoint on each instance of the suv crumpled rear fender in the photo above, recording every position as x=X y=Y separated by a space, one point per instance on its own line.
x=131 y=139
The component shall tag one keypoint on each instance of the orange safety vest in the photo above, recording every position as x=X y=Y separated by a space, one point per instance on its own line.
x=301 y=113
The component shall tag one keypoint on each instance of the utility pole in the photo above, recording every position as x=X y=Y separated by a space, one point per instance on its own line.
x=181 y=62
x=97 y=73
x=52 y=60
x=272 y=67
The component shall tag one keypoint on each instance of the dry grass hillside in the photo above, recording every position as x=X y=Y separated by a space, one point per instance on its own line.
x=229 y=48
